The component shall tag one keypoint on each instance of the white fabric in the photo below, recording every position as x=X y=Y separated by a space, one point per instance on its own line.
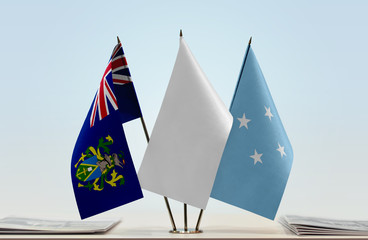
x=188 y=138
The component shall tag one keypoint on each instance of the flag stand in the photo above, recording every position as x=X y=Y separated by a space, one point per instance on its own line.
x=186 y=230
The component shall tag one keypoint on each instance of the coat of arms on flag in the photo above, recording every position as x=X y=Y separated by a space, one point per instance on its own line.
x=100 y=166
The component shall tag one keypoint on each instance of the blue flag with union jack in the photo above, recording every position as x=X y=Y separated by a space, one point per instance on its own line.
x=102 y=170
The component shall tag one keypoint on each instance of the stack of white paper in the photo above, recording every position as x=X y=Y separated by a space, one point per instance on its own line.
x=322 y=226
x=43 y=226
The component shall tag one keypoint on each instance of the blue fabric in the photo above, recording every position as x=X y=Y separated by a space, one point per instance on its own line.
x=127 y=101
x=245 y=178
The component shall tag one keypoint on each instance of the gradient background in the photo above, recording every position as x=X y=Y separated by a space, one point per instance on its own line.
x=313 y=55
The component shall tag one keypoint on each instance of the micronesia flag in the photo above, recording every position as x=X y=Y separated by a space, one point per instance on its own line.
x=257 y=159
x=102 y=170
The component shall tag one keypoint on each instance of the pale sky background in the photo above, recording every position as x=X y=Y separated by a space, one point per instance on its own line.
x=313 y=55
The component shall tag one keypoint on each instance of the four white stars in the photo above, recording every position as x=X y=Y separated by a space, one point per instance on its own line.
x=244 y=123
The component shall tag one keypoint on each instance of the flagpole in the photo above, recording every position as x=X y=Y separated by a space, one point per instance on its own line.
x=199 y=220
x=185 y=205
x=170 y=213
x=147 y=138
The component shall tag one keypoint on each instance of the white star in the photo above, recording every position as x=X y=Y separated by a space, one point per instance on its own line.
x=257 y=157
x=244 y=121
x=268 y=112
x=281 y=150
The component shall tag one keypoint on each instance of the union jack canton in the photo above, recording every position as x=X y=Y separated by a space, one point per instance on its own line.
x=118 y=73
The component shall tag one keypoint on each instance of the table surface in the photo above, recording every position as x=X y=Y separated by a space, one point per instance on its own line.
x=219 y=226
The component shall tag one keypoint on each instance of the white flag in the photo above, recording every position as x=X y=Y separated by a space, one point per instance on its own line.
x=188 y=138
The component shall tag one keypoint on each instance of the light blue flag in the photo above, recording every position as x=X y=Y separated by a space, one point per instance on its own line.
x=257 y=159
